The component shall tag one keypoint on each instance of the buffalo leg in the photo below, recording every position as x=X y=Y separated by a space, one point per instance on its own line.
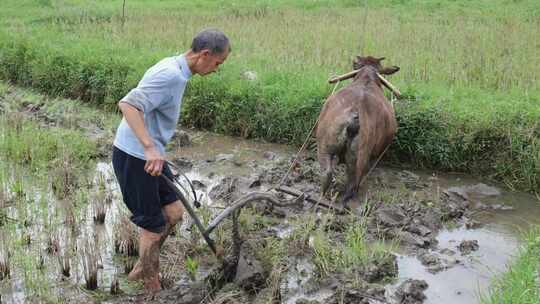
x=356 y=170
x=350 y=188
x=327 y=170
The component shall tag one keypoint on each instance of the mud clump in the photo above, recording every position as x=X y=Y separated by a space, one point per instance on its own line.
x=411 y=292
x=391 y=216
x=472 y=224
x=429 y=259
x=305 y=301
x=224 y=157
x=250 y=274
x=350 y=293
x=227 y=189
x=198 y=185
x=381 y=269
x=185 y=294
x=436 y=263
x=183 y=164
x=468 y=246
x=413 y=225
x=269 y=155
x=181 y=138
x=411 y=181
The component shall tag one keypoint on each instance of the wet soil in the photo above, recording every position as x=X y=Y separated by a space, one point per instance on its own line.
x=438 y=220
x=454 y=233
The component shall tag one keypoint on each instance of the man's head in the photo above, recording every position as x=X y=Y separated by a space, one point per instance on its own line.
x=209 y=49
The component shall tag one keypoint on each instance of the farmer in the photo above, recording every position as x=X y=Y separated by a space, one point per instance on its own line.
x=150 y=115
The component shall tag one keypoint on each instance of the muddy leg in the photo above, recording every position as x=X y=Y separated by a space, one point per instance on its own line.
x=356 y=169
x=173 y=214
x=351 y=189
x=149 y=257
x=327 y=171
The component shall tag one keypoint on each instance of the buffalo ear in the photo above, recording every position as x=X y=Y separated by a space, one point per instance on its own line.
x=381 y=59
x=389 y=70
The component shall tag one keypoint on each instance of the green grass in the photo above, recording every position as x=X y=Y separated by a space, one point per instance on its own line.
x=468 y=69
x=331 y=254
x=24 y=142
x=520 y=284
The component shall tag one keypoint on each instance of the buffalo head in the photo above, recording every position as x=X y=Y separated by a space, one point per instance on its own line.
x=361 y=62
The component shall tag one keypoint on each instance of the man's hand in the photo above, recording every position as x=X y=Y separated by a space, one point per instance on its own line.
x=154 y=161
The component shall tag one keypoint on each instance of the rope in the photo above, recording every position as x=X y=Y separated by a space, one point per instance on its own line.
x=374 y=165
x=304 y=144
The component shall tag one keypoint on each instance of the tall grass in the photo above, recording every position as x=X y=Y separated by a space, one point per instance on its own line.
x=468 y=69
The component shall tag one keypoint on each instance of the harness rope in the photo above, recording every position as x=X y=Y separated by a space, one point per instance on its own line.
x=305 y=143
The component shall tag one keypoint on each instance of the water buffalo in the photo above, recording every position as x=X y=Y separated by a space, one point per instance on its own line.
x=355 y=126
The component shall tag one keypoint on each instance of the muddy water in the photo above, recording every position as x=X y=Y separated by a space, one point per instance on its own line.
x=501 y=216
x=43 y=228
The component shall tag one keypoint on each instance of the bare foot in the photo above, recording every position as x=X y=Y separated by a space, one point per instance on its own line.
x=136 y=272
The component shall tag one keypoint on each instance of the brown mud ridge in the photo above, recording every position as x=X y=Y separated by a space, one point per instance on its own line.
x=397 y=206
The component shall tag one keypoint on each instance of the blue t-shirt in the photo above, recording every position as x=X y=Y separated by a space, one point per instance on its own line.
x=159 y=96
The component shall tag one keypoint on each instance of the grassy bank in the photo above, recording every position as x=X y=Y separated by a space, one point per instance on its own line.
x=520 y=283
x=469 y=70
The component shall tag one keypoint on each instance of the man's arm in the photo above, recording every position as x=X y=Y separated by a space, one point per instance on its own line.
x=135 y=120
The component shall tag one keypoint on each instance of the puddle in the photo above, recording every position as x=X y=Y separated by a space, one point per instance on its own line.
x=503 y=217
x=462 y=283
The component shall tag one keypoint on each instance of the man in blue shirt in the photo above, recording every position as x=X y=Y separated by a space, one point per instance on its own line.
x=150 y=115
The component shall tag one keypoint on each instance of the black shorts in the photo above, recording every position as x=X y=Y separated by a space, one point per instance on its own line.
x=143 y=194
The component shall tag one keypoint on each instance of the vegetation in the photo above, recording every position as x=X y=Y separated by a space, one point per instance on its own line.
x=344 y=254
x=39 y=158
x=468 y=69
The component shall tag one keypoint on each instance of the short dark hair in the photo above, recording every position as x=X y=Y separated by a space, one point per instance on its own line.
x=211 y=39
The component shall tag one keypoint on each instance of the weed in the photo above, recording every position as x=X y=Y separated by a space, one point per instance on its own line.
x=5 y=269
x=115 y=286
x=192 y=265
x=126 y=239
x=64 y=256
x=324 y=254
x=99 y=208
x=90 y=258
